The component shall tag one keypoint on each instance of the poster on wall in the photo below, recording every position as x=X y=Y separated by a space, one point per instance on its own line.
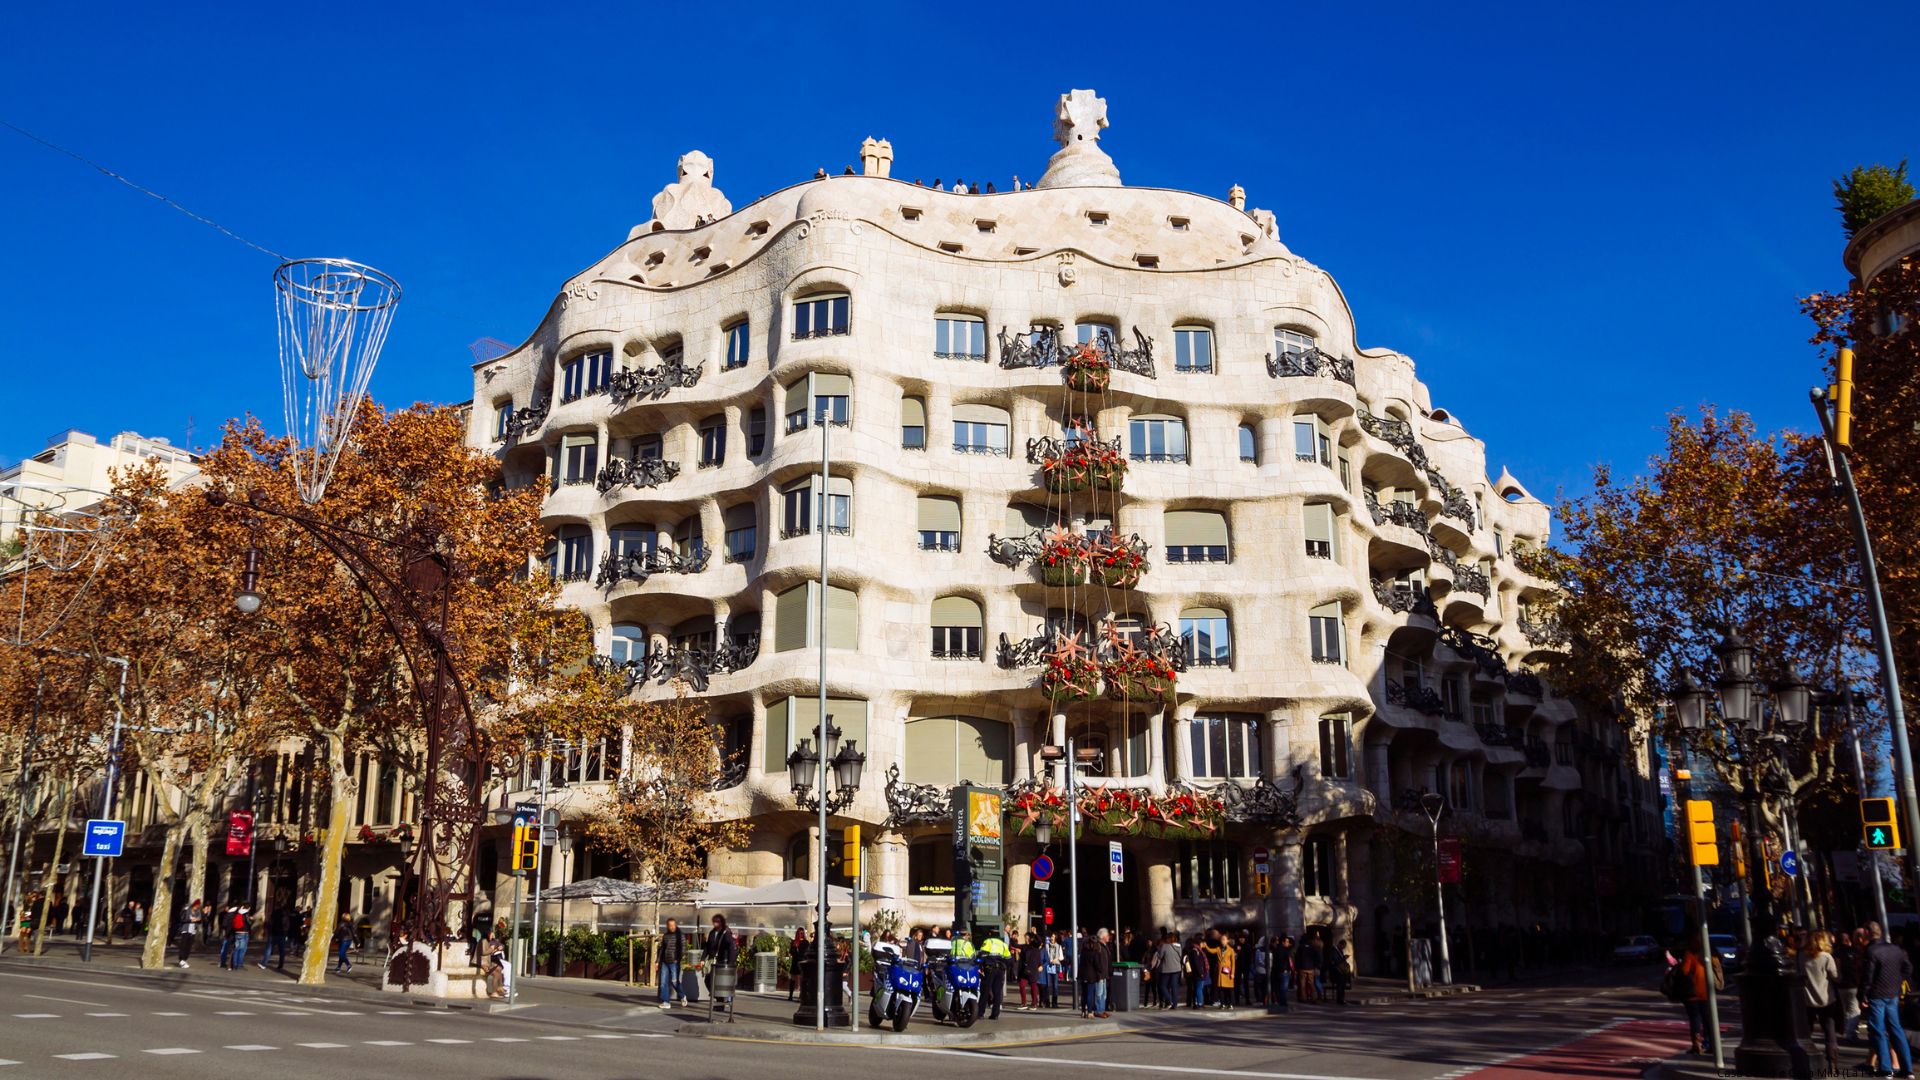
x=240 y=833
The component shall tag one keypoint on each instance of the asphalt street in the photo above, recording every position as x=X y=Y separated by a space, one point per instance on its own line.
x=62 y=1023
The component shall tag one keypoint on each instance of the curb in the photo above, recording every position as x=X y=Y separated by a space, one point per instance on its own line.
x=1456 y=990
x=979 y=1040
x=174 y=977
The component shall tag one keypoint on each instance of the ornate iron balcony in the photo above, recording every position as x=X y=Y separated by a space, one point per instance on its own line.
x=1479 y=648
x=1442 y=554
x=1395 y=512
x=1403 y=597
x=915 y=804
x=1043 y=349
x=1011 y=551
x=1456 y=505
x=655 y=382
x=1160 y=458
x=1497 y=735
x=1260 y=801
x=1421 y=699
x=1055 y=446
x=1540 y=632
x=955 y=654
x=641 y=565
x=528 y=420
x=976 y=357
x=692 y=664
x=1309 y=363
x=984 y=449
x=1472 y=579
x=1525 y=682
x=1161 y=641
x=640 y=473
x=822 y=331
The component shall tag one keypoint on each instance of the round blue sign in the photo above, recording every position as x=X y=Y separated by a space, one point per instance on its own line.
x=1790 y=863
x=1042 y=868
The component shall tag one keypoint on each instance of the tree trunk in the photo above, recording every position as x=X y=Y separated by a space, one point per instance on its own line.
x=160 y=913
x=196 y=818
x=326 y=905
x=59 y=847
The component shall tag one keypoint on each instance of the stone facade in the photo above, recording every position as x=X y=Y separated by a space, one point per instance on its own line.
x=1327 y=555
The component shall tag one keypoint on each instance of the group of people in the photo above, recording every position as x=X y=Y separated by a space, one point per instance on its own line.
x=236 y=924
x=1842 y=979
x=960 y=187
x=65 y=918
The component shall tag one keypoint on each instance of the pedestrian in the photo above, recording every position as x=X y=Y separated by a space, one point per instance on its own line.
x=1819 y=986
x=342 y=943
x=1096 y=967
x=1306 y=969
x=190 y=921
x=1339 y=971
x=673 y=953
x=1227 y=975
x=242 y=933
x=1056 y=963
x=56 y=914
x=721 y=952
x=139 y=918
x=1167 y=966
x=1689 y=986
x=1033 y=971
x=1199 y=972
x=1886 y=970
x=801 y=952
x=1260 y=972
x=26 y=920
x=493 y=964
x=1846 y=957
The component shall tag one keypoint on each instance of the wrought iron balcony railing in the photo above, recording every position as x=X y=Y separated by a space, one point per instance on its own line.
x=1479 y=648
x=1395 y=512
x=1309 y=363
x=528 y=420
x=1403 y=597
x=1472 y=579
x=653 y=383
x=640 y=473
x=1421 y=699
x=1160 y=641
x=1540 y=631
x=640 y=565
x=692 y=664
x=915 y=804
x=1043 y=348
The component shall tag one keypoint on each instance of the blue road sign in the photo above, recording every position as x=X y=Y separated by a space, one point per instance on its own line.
x=1790 y=864
x=1042 y=868
x=105 y=839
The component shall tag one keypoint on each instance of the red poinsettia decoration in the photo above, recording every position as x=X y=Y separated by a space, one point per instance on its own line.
x=1064 y=557
x=1072 y=671
x=1117 y=561
x=1087 y=369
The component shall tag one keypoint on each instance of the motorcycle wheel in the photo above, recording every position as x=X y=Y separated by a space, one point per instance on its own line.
x=899 y=1020
x=874 y=1015
x=965 y=1014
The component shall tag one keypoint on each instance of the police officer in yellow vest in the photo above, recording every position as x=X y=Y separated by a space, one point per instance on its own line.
x=962 y=945
x=996 y=958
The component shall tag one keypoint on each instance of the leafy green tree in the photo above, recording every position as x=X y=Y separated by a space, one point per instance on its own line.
x=1869 y=192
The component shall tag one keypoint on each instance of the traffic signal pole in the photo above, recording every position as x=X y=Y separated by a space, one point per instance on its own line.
x=1873 y=855
x=1703 y=849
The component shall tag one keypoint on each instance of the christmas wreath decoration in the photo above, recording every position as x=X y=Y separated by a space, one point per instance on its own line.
x=1117 y=563
x=1072 y=672
x=1120 y=811
x=1087 y=369
x=1064 y=558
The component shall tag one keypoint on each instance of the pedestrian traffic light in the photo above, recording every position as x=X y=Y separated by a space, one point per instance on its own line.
x=850 y=854
x=1048 y=918
x=526 y=847
x=1842 y=394
x=1261 y=884
x=1881 y=829
x=1704 y=846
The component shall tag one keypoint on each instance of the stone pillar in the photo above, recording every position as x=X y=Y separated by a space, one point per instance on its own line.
x=1356 y=877
x=1293 y=903
x=1057 y=725
x=1159 y=769
x=1019 y=887
x=889 y=853
x=1380 y=772
x=1183 y=742
x=600 y=447
x=1277 y=748
x=1023 y=748
x=1160 y=894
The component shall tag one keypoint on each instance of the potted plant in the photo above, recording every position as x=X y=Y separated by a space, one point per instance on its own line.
x=1087 y=369
x=1136 y=675
x=1066 y=471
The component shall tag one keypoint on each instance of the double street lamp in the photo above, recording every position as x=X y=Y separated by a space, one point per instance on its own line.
x=1433 y=804
x=825 y=780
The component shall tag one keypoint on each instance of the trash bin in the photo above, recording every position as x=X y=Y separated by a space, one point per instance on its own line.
x=690 y=985
x=1123 y=987
x=766 y=972
x=724 y=981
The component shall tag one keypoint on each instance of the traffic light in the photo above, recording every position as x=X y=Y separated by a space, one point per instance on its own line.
x=1882 y=831
x=1739 y=852
x=1703 y=845
x=1842 y=394
x=1048 y=918
x=850 y=854
x=1261 y=884
x=526 y=847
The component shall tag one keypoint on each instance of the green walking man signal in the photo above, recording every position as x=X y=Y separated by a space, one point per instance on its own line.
x=1876 y=818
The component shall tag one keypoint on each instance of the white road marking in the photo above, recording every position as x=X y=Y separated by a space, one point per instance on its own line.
x=397 y=1012
x=504 y=1038
x=6 y=1061
x=561 y=1038
x=170 y=1014
x=607 y=1036
x=36 y=1016
x=324 y=1046
x=251 y=1046
x=105 y=1014
x=70 y=1001
x=386 y=1042
x=171 y=1050
x=293 y=1014
x=989 y=1056
x=229 y=1012
x=89 y=1056
x=451 y=1042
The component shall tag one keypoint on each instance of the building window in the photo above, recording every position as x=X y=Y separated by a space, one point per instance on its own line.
x=913 y=423
x=582 y=457
x=1209 y=871
x=1226 y=746
x=756 y=431
x=831 y=397
x=930 y=866
x=959 y=337
x=791 y=719
x=980 y=429
x=585 y=375
x=1205 y=637
x=1499 y=544
x=1157 y=438
x=1322 y=539
x=1327 y=629
x=502 y=419
x=1195 y=536
x=820 y=316
x=800 y=501
x=1316 y=867
x=628 y=644
x=646 y=447
x=738 y=348
x=713 y=442
x=1346 y=470
x=949 y=750
x=1192 y=349
x=1450 y=697
x=939 y=521
x=957 y=626
x=632 y=540
x=796 y=617
x=690 y=538
x=1336 y=747
x=1312 y=443
x=1249 y=444
x=743 y=533
x=1294 y=343
x=576 y=553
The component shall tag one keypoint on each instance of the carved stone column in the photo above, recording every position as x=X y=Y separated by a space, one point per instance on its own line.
x=1183 y=742
x=1291 y=885
x=1276 y=749
x=1023 y=748
x=1160 y=894
x=1159 y=769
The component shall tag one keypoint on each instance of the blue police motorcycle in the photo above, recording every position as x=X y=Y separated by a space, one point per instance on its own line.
x=956 y=990
x=897 y=986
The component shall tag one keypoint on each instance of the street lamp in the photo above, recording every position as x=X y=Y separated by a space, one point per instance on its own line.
x=826 y=780
x=250 y=598
x=1434 y=804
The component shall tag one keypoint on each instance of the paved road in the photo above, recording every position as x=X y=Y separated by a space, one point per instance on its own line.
x=59 y=1023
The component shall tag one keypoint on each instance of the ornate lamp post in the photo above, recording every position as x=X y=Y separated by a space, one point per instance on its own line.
x=826 y=780
x=1433 y=804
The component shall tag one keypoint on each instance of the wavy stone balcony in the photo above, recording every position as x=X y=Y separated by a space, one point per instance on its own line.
x=638 y=566
x=692 y=664
x=640 y=473
x=652 y=384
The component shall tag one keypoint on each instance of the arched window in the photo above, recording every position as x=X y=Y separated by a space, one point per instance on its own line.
x=830 y=395
x=576 y=553
x=913 y=423
x=1249 y=444
x=957 y=628
x=949 y=750
x=635 y=539
x=1196 y=536
x=1096 y=333
x=1326 y=628
x=796 y=618
x=743 y=533
x=1226 y=745
x=628 y=643
x=1157 y=438
x=801 y=499
x=821 y=315
x=1205 y=636
x=1290 y=342
x=1323 y=541
x=739 y=345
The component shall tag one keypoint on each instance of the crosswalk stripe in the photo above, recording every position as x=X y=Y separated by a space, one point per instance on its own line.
x=324 y=1046
x=170 y=1050
x=251 y=1046
x=88 y=1056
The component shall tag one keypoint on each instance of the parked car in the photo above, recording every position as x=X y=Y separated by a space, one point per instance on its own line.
x=1638 y=949
x=1727 y=948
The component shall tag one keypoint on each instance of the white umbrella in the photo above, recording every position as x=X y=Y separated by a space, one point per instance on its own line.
x=796 y=892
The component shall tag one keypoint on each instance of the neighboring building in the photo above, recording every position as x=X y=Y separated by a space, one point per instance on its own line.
x=75 y=470
x=1328 y=560
x=1883 y=242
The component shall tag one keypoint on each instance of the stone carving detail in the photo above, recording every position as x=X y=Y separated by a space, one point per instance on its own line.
x=1080 y=162
x=577 y=290
x=692 y=200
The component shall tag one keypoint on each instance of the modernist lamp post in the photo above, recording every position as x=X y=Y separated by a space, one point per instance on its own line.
x=826 y=780
x=1434 y=804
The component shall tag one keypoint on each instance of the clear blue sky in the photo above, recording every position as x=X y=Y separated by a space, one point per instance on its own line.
x=1574 y=218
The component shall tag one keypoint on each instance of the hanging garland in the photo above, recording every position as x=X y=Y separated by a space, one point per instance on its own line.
x=1118 y=811
x=1064 y=558
x=1087 y=369
x=1072 y=671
